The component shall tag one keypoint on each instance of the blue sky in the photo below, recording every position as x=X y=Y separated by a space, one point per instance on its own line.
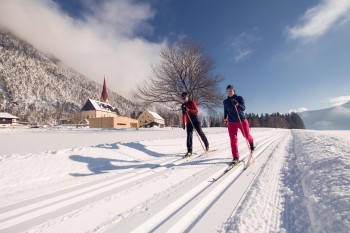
x=280 y=55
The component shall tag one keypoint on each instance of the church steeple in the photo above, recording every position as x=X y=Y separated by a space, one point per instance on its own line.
x=104 y=96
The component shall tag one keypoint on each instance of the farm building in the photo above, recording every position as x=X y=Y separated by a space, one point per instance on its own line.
x=7 y=119
x=150 y=119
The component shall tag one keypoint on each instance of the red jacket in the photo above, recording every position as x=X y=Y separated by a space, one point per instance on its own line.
x=191 y=109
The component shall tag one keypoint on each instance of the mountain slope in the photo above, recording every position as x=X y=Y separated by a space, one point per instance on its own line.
x=335 y=118
x=38 y=88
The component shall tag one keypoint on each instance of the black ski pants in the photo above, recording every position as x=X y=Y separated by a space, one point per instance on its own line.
x=197 y=126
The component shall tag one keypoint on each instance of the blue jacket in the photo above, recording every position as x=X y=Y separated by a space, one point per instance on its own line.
x=230 y=110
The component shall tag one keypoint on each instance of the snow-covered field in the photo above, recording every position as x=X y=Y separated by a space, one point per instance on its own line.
x=61 y=180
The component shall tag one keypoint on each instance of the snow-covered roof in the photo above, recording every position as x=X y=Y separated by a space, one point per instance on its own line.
x=7 y=115
x=156 y=115
x=97 y=105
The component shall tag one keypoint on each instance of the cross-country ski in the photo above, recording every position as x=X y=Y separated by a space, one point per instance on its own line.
x=229 y=168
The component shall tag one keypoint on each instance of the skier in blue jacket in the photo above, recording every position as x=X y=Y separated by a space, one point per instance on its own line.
x=236 y=120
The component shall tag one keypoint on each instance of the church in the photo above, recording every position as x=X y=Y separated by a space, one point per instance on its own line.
x=101 y=114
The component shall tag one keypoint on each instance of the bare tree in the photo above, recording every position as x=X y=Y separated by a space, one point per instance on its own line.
x=76 y=117
x=182 y=67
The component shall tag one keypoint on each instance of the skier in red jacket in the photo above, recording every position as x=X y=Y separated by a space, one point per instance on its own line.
x=189 y=120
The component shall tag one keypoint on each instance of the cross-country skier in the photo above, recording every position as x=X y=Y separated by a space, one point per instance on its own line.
x=236 y=122
x=189 y=120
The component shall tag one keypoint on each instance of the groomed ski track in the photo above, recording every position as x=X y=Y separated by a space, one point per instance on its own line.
x=177 y=195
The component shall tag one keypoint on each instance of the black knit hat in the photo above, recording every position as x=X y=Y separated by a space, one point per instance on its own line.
x=183 y=94
x=230 y=87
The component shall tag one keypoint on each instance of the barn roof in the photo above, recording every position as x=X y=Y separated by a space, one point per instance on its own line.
x=7 y=115
x=156 y=115
x=97 y=105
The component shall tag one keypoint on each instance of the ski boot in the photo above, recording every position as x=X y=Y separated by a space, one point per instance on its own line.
x=235 y=161
x=252 y=147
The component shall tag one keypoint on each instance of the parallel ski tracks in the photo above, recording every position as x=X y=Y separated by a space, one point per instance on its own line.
x=19 y=216
x=275 y=163
x=21 y=213
x=182 y=213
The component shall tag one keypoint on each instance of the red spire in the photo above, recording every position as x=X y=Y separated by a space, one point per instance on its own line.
x=104 y=96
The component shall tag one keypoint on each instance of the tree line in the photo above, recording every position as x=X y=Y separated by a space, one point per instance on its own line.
x=274 y=120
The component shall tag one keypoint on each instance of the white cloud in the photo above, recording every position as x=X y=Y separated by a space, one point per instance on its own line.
x=297 y=110
x=339 y=100
x=103 y=41
x=319 y=19
x=241 y=45
x=121 y=17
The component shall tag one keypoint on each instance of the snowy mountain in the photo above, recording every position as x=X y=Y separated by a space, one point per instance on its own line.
x=335 y=118
x=37 y=87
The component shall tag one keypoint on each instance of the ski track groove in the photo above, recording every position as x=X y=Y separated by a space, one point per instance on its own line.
x=23 y=212
x=225 y=227
x=273 y=217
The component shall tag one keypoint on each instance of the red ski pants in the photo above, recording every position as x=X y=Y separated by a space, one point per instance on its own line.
x=232 y=131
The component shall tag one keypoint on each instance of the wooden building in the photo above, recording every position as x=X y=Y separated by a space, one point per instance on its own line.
x=7 y=119
x=150 y=119
x=113 y=122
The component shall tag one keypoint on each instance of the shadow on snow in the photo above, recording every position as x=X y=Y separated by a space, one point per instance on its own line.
x=135 y=146
x=103 y=165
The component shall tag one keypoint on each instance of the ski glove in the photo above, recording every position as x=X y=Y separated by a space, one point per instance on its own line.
x=234 y=102
x=225 y=121
x=183 y=107
x=183 y=126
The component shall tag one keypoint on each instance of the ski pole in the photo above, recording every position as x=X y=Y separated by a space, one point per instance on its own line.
x=239 y=118
x=195 y=130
